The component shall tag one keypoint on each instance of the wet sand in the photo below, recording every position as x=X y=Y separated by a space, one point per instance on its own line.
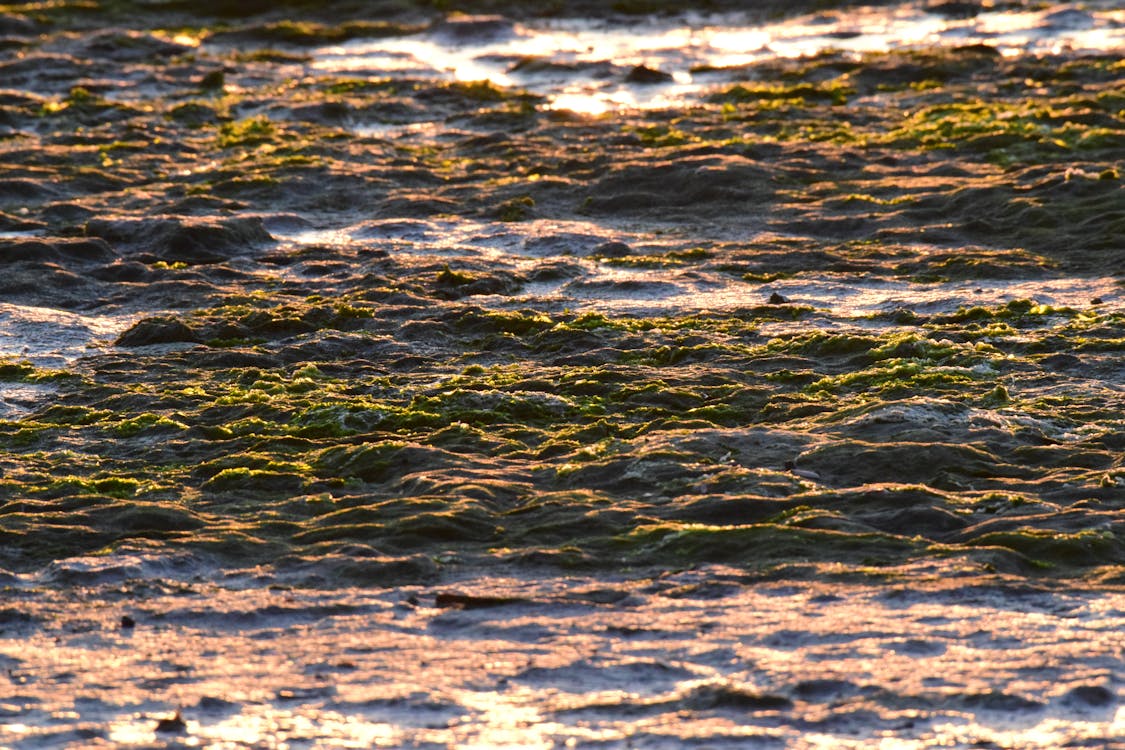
x=680 y=395
x=712 y=657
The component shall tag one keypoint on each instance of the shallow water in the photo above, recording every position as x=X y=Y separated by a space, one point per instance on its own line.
x=666 y=291
x=580 y=65
x=51 y=338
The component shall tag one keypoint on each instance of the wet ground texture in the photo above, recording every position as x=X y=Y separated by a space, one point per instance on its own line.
x=271 y=318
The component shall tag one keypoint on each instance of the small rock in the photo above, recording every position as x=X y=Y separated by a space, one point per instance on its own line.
x=904 y=316
x=175 y=724
x=777 y=299
x=474 y=29
x=127 y=622
x=211 y=703
x=212 y=80
x=955 y=10
x=446 y=600
x=647 y=75
x=158 y=330
x=1090 y=695
x=791 y=467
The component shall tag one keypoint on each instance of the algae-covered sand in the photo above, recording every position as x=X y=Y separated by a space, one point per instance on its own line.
x=574 y=376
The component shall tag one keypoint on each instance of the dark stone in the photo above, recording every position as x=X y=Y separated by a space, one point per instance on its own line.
x=777 y=299
x=955 y=9
x=127 y=622
x=160 y=330
x=469 y=601
x=194 y=114
x=213 y=80
x=474 y=29
x=985 y=50
x=646 y=75
x=322 y=113
x=173 y=725
x=234 y=358
x=210 y=703
x=1003 y=702
x=824 y=689
x=1090 y=695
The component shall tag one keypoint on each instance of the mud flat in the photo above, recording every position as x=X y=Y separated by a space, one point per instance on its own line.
x=711 y=657
x=680 y=395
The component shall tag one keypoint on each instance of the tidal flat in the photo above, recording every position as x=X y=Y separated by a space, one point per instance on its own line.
x=562 y=375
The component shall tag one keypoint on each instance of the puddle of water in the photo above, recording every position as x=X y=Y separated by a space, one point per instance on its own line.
x=582 y=66
x=659 y=292
x=853 y=299
x=647 y=291
x=394 y=130
x=54 y=338
x=20 y=398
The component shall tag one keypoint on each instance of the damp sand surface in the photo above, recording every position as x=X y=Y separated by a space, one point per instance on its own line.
x=711 y=656
x=759 y=389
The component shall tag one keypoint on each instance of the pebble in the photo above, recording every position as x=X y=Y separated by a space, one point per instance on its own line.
x=175 y=724
x=646 y=75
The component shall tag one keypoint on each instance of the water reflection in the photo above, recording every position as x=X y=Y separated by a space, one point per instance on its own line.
x=583 y=66
x=54 y=338
x=501 y=722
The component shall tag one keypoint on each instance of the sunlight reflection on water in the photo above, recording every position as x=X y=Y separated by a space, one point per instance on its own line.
x=256 y=676
x=49 y=337
x=582 y=66
x=640 y=290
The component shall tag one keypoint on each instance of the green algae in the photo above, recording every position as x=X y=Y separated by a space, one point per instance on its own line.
x=659 y=136
x=383 y=411
x=14 y=370
x=1050 y=549
x=797 y=94
x=515 y=209
x=670 y=259
x=760 y=544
